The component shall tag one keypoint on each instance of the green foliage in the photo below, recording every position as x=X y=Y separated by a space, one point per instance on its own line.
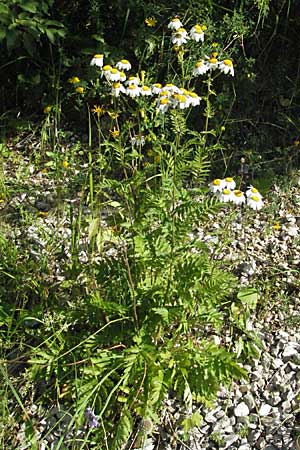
x=135 y=322
x=24 y=23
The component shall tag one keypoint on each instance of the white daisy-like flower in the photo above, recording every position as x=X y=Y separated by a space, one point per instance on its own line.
x=117 y=87
x=122 y=76
x=146 y=91
x=217 y=185
x=97 y=60
x=255 y=202
x=253 y=191
x=175 y=24
x=193 y=99
x=133 y=80
x=133 y=90
x=226 y=67
x=200 y=68
x=114 y=75
x=163 y=105
x=124 y=64
x=212 y=63
x=169 y=87
x=197 y=33
x=165 y=93
x=138 y=140
x=226 y=196
x=179 y=37
x=230 y=183
x=156 y=88
x=106 y=71
x=238 y=197
x=181 y=101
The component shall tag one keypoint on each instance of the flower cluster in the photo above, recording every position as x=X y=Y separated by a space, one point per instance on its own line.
x=227 y=192
x=180 y=36
x=202 y=66
x=91 y=418
x=168 y=96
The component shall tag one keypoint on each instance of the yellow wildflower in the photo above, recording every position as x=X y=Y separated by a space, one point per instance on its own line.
x=277 y=226
x=115 y=133
x=150 y=21
x=47 y=109
x=214 y=45
x=74 y=80
x=80 y=89
x=113 y=114
x=65 y=164
x=97 y=109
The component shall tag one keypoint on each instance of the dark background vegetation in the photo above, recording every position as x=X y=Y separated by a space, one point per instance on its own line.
x=45 y=42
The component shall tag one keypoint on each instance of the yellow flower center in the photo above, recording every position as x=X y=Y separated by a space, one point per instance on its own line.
x=181 y=98
x=116 y=85
x=229 y=179
x=98 y=56
x=122 y=75
x=193 y=94
x=175 y=20
x=124 y=61
x=198 y=29
x=238 y=193
x=107 y=68
x=157 y=85
x=255 y=198
x=114 y=71
x=213 y=60
x=254 y=190
x=163 y=101
x=181 y=30
x=146 y=88
x=214 y=54
x=199 y=64
x=132 y=86
x=204 y=27
x=228 y=62
x=226 y=191
x=163 y=93
x=217 y=182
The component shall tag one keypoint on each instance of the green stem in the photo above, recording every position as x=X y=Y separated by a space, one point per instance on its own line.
x=90 y=161
x=208 y=109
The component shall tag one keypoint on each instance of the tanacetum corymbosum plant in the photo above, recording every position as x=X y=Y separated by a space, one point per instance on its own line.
x=153 y=297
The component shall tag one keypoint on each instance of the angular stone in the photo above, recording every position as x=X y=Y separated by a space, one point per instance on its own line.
x=249 y=400
x=230 y=439
x=241 y=410
x=265 y=409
